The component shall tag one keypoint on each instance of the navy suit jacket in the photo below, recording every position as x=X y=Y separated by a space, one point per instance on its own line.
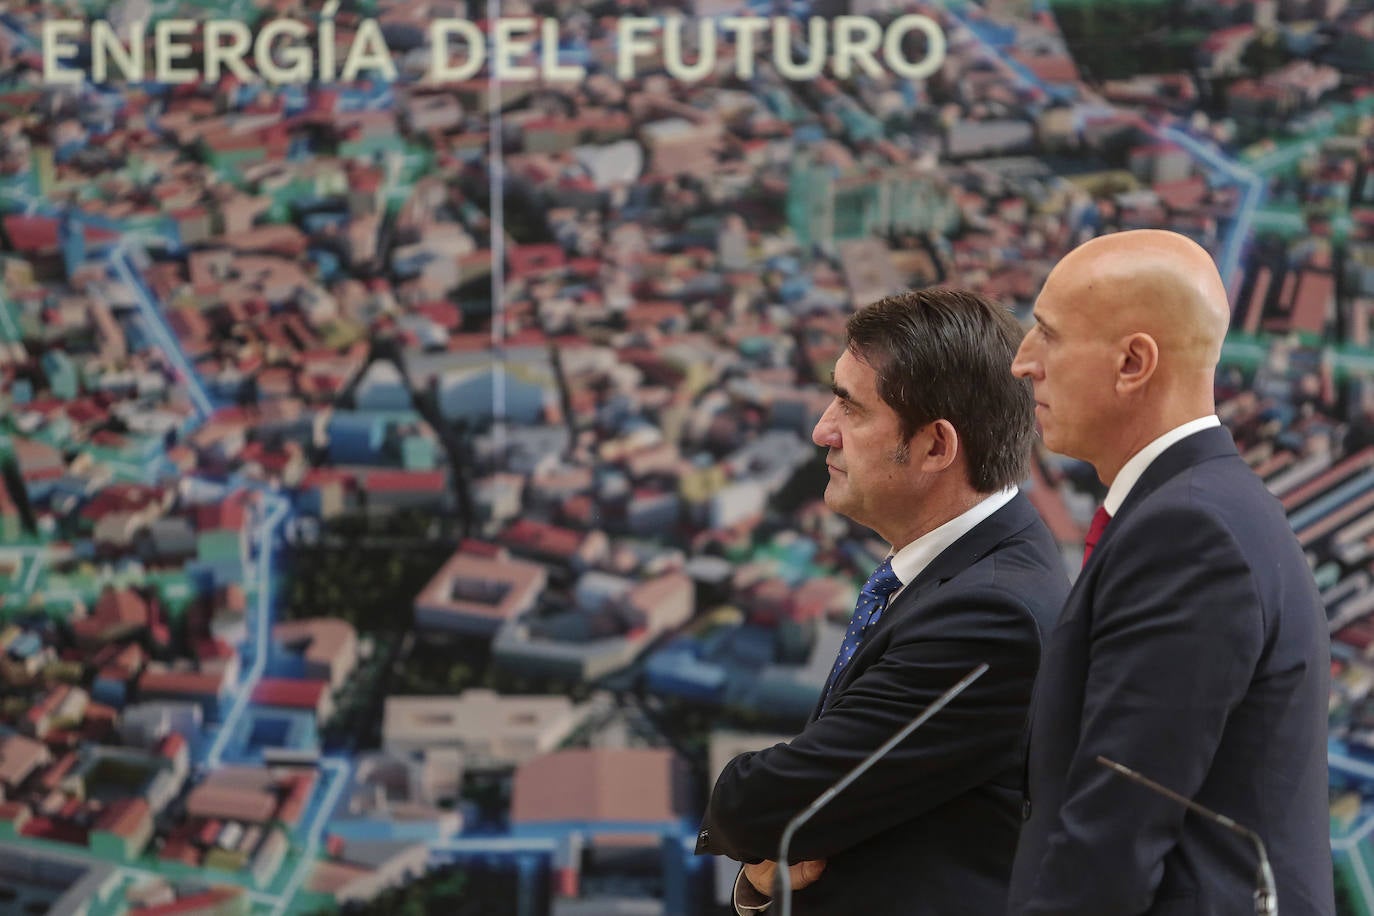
x=931 y=828
x=1193 y=648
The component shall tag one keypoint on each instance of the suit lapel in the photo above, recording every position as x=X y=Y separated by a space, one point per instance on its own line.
x=905 y=603
x=1215 y=442
x=976 y=544
x=954 y=559
x=1206 y=445
x=957 y=557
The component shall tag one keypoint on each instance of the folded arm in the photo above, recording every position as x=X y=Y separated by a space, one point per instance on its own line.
x=974 y=738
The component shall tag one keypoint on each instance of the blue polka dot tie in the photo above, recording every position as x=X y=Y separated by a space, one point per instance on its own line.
x=872 y=600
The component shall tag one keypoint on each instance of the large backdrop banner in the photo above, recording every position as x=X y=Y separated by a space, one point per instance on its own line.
x=407 y=495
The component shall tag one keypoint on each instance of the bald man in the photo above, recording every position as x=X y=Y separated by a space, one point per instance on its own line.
x=1193 y=647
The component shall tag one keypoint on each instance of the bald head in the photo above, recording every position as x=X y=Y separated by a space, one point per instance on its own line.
x=1154 y=282
x=1128 y=333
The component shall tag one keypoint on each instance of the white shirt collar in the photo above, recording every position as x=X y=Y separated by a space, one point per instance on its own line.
x=911 y=560
x=1132 y=470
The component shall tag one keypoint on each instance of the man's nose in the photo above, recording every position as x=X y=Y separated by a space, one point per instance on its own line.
x=1024 y=364
x=827 y=432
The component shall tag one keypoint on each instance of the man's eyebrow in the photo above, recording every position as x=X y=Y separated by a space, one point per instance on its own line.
x=842 y=393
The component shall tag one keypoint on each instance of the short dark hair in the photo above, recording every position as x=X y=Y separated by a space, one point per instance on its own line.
x=944 y=353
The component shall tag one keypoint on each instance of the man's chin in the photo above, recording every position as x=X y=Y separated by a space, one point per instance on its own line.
x=834 y=497
x=1054 y=440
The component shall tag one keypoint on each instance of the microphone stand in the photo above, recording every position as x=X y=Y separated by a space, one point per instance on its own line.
x=1266 y=897
x=784 y=879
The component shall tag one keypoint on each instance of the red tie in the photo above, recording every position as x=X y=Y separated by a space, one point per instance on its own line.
x=1099 y=524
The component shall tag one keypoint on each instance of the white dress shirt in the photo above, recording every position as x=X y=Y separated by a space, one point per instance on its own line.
x=911 y=560
x=1132 y=470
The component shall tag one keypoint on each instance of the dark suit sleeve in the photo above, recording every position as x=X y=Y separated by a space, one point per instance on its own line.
x=965 y=744
x=1176 y=635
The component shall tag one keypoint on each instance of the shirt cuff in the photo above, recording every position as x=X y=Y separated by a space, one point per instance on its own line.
x=747 y=898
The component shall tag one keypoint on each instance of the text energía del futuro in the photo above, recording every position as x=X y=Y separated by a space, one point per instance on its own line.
x=287 y=51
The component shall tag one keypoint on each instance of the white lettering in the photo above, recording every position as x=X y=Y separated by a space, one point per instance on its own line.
x=856 y=38
x=217 y=53
x=296 y=58
x=439 y=68
x=788 y=68
x=746 y=29
x=166 y=50
x=553 y=70
x=935 y=46
x=629 y=44
x=368 y=52
x=54 y=47
x=507 y=47
x=672 y=51
x=105 y=45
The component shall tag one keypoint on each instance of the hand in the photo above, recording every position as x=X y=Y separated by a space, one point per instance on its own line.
x=803 y=874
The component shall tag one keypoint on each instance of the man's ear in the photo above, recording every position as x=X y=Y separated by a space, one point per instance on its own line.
x=1136 y=362
x=939 y=443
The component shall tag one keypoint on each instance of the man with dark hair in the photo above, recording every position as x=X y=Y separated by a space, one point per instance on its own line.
x=927 y=437
x=1193 y=647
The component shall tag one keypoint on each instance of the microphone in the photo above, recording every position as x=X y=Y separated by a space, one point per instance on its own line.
x=1266 y=897
x=784 y=879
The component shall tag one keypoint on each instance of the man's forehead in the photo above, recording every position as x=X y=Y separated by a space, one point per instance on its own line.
x=1053 y=300
x=852 y=373
x=1043 y=308
x=844 y=363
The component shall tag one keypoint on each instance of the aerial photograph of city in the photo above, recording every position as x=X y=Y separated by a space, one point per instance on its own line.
x=407 y=494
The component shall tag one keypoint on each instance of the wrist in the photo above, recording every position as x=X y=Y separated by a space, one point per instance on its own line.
x=747 y=898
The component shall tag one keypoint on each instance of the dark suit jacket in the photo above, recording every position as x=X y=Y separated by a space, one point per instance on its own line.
x=1194 y=649
x=932 y=827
